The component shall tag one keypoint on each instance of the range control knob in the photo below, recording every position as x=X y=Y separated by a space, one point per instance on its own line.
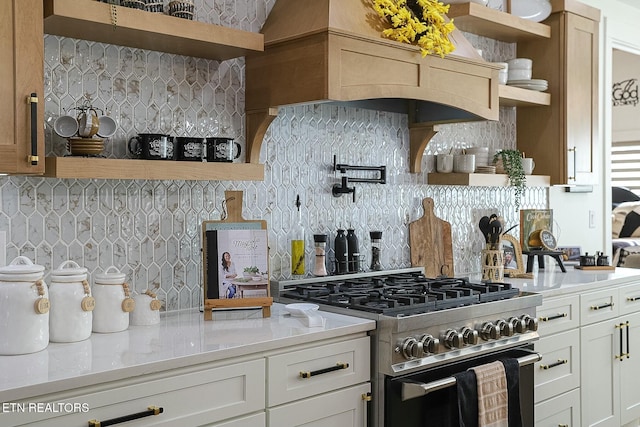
x=489 y=331
x=411 y=348
x=531 y=322
x=470 y=336
x=453 y=339
x=505 y=328
x=519 y=325
x=430 y=345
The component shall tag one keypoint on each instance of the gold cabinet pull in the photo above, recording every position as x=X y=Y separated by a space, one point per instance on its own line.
x=151 y=410
x=554 y=364
x=600 y=307
x=555 y=316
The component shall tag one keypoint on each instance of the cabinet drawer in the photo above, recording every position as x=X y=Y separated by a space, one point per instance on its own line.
x=563 y=410
x=559 y=369
x=194 y=399
x=599 y=306
x=286 y=382
x=629 y=299
x=558 y=314
x=344 y=408
x=257 y=420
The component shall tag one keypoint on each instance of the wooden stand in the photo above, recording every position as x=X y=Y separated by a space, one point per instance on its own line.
x=492 y=265
x=233 y=221
x=557 y=255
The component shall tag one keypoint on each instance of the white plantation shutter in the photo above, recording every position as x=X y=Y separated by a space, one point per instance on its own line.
x=625 y=165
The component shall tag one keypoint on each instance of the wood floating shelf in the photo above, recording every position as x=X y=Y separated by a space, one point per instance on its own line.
x=483 y=179
x=511 y=96
x=99 y=168
x=492 y=23
x=93 y=20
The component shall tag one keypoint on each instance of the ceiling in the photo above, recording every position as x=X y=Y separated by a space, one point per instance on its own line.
x=634 y=3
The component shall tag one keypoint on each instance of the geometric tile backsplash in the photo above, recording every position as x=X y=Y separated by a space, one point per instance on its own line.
x=151 y=229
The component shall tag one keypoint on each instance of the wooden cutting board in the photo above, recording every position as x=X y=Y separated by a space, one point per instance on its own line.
x=430 y=241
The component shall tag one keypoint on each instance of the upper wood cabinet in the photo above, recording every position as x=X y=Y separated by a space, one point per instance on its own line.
x=562 y=136
x=93 y=20
x=21 y=87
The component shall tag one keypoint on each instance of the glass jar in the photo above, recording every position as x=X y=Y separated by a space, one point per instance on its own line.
x=320 y=242
x=376 y=248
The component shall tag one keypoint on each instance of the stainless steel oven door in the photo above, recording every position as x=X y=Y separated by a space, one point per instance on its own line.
x=429 y=397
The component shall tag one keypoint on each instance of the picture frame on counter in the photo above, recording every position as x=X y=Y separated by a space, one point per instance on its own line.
x=513 y=261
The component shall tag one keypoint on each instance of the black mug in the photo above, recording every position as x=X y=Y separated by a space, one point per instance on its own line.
x=222 y=150
x=190 y=149
x=152 y=146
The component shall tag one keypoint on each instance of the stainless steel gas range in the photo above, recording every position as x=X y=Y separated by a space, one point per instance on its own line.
x=428 y=329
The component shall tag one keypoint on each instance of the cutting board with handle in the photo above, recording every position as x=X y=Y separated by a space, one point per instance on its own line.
x=430 y=241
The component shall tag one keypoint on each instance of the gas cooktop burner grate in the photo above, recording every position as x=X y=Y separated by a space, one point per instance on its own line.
x=400 y=294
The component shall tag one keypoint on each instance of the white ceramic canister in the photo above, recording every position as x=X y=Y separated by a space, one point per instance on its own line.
x=71 y=315
x=24 y=308
x=147 y=310
x=113 y=301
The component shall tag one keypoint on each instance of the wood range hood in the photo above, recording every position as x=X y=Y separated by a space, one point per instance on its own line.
x=319 y=51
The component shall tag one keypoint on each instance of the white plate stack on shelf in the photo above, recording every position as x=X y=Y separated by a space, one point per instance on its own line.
x=482 y=159
x=519 y=75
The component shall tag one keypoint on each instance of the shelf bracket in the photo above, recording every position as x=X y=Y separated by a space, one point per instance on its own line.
x=258 y=122
x=419 y=137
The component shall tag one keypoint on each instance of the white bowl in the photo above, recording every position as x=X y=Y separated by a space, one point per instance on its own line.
x=482 y=2
x=519 y=75
x=532 y=10
x=107 y=127
x=65 y=126
x=520 y=64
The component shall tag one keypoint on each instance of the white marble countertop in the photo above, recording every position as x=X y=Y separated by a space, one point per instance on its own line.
x=553 y=282
x=181 y=339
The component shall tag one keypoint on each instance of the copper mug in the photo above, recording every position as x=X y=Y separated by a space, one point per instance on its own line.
x=88 y=123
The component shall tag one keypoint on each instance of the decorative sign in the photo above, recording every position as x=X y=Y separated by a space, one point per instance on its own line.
x=548 y=240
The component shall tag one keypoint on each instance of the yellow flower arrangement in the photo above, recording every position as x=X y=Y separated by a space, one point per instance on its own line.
x=427 y=29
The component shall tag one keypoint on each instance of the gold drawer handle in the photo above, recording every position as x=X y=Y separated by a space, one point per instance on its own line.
x=309 y=374
x=600 y=307
x=556 y=316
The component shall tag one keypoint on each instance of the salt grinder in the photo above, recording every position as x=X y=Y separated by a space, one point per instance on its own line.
x=320 y=268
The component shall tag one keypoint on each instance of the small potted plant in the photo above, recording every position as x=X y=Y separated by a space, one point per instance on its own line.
x=251 y=271
x=509 y=162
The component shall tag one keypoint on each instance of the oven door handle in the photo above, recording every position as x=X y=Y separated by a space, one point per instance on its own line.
x=412 y=389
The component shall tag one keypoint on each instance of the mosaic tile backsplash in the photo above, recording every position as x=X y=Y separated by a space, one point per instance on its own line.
x=151 y=230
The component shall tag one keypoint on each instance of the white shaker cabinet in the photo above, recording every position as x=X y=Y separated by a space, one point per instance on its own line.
x=610 y=368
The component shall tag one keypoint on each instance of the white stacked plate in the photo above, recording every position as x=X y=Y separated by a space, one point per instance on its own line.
x=532 y=84
x=481 y=153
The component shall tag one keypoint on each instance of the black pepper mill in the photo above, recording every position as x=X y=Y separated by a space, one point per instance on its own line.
x=341 y=252
x=353 y=253
x=376 y=244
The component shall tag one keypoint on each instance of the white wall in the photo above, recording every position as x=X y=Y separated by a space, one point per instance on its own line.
x=618 y=29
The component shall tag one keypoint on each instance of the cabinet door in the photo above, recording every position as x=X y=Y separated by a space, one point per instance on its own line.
x=600 y=374
x=562 y=410
x=343 y=408
x=581 y=62
x=630 y=371
x=21 y=74
x=559 y=369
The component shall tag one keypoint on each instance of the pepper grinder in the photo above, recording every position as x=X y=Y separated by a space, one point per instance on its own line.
x=320 y=241
x=341 y=252
x=376 y=243
x=353 y=253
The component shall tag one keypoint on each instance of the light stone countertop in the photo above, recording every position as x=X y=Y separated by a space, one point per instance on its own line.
x=181 y=339
x=552 y=282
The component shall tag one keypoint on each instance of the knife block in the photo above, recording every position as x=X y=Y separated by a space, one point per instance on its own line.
x=492 y=265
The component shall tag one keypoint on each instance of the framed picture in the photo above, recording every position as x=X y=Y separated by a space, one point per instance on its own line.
x=513 y=262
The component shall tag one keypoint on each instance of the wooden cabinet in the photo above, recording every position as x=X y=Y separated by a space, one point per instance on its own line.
x=92 y=20
x=21 y=87
x=562 y=137
x=610 y=396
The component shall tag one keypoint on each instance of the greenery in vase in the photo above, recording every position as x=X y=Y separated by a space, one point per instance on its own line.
x=512 y=164
x=252 y=270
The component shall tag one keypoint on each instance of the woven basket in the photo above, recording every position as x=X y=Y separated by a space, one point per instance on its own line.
x=492 y=265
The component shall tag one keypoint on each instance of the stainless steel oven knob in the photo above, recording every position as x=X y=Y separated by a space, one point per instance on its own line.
x=505 y=328
x=429 y=344
x=531 y=322
x=411 y=348
x=519 y=325
x=453 y=339
x=469 y=336
x=489 y=331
